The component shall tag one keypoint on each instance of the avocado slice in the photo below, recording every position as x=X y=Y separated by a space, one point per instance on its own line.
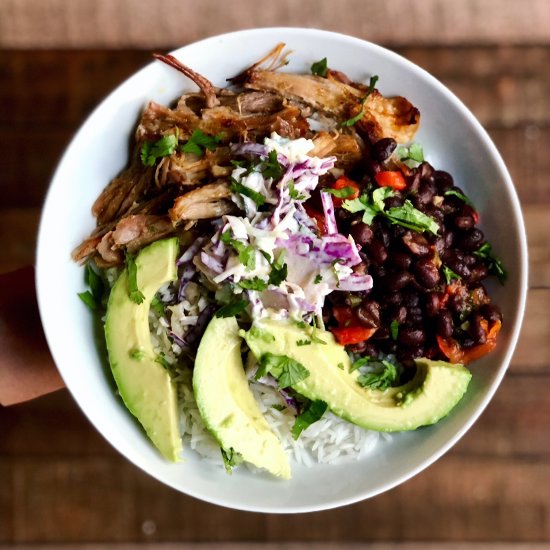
x=144 y=384
x=433 y=392
x=227 y=404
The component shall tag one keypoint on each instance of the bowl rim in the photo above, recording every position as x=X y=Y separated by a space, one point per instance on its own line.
x=522 y=268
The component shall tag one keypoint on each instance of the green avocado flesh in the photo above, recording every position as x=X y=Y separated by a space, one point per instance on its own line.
x=144 y=384
x=227 y=404
x=433 y=392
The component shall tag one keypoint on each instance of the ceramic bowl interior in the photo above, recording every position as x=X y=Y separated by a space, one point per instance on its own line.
x=452 y=139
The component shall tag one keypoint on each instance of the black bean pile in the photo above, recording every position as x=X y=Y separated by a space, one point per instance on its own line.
x=411 y=290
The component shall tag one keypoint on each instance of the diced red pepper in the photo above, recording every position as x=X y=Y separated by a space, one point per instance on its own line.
x=352 y=334
x=395 y=180
x=452 y=350
x=342 y=183
x=343 y=315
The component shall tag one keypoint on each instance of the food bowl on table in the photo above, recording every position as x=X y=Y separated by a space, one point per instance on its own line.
x=453 y=141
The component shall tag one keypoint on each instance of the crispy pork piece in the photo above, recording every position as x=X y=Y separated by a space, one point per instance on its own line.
x=136 y=231
x=345 y=147
x=209 y=201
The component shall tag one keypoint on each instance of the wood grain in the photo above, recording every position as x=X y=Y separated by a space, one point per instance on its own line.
x=167 y=23
x=75 y=496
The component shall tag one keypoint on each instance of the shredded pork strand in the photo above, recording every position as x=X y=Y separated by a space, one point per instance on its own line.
x=145 y=203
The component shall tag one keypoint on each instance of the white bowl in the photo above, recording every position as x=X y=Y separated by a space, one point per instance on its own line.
x=453 y=140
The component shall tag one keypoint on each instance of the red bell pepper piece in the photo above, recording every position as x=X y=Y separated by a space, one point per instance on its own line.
x=342 y=183
x=352 y=334
x=395 y=180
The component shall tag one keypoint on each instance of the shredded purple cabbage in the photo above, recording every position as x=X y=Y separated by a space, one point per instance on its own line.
x=330 y=217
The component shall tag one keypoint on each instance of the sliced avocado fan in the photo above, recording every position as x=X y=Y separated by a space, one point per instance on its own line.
x=143 y=383
x=227 y=404
x=433 y=392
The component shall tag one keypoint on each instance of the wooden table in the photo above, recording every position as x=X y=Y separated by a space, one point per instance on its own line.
x=62 y=483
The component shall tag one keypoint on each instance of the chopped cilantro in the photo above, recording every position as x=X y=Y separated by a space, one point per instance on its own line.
x=360 y=114
x=301 y=324
x=383 y=375
x=133 y=291
x=494 y=264
x=315 y=339
x=88 y=299
x=394 y=329
x=158 y=307
x=253 y=284
x=199 y=142
x=459 y=195
x=303 y=342
x=161 y=359
x=239 y=188
x=247 y=254
x=271 y=167
x=262 y=334
x=319 y=68
x=278 y=407
x=318 y=279
x=342 y=193
x=232 y=309
x=449 y=275
x=95 y=282
x=314 y=411
x=340 y=366
x=137 y=354
x=286 y=370
x=279 y=269
x=152 y=150
x=293 y=193
x=411 y=156
x=407 y=215
x=231 y=459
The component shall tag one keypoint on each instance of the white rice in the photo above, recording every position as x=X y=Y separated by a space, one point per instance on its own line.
x=330 y=440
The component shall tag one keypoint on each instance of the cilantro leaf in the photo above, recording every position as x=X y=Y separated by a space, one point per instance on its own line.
x=319 y=68
x=247 y=254
x=394 y=329
x=95 y=282
x=494 y=264
x=271 y=167
x=411 y=156
x=239 y=188
x=158 y=307
x=314 y=412
x=232 y=309
x=383 y=375
x=286 y=370
x=199 y=142
x=342 y=193
x=294 y=194
x=361 y=113
x=161 y=360
x=152 y=150
x=137 y=354
x=449 y=274
x=231 y=459
x=279 y=269
x=318 y=279
x=412 y=218
x=303 y=342
x=253 y=284
x=133 y=291
x=459 y=195
x=88 y=298
x=261 y=334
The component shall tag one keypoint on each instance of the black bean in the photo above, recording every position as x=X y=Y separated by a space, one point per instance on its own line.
x=414 y=316
x=396 y=280
x=397 y=313
x=360 y=268
x=469 y=259
x=459 y=303
x=444 y=324
x=416 y=243
x=411 y=299
x=463 y=222
x=407 y=353
x=413 y=181
x=381 y=334
x=377 y=251
x=477 y=330
x=443 y=180
x=426 y=172
x=377 y=271
x=491 y=312
x=411 y=337
x=425 y=193
x=361 y=233
x=455 y=260
x=478 y=273
x=368 y=313
x=426 y=273
x=432 y=304
x=360 y=347
x=400 y=260
x=384 y=234
x=470 y=240
x=383 y=149
x=394 y=202
x=393 y=298
x=373 y=167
